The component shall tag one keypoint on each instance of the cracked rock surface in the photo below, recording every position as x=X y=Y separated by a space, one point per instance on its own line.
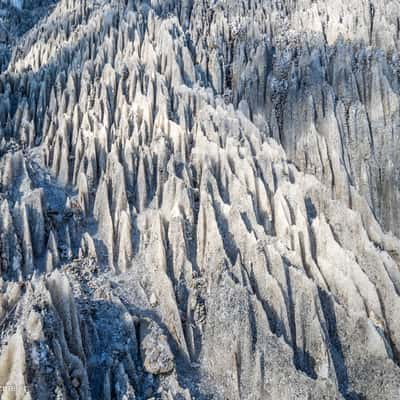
x=199 y=199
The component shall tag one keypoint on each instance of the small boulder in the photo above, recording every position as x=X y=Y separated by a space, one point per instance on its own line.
x=156 y=353
x=153 y=300
x=76 y=383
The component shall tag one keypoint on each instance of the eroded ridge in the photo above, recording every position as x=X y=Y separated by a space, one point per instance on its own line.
x=196 y=200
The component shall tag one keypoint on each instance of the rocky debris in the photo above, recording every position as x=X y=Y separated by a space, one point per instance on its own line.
x=199 y=199
x=56 y=344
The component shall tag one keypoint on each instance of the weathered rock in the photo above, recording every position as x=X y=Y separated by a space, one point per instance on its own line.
x=156 y=354
x=200 y=198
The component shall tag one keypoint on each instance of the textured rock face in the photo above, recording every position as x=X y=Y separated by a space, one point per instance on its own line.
x=199 y=200
x=16 y=18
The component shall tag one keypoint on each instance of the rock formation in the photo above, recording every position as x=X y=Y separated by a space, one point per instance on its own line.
x=199 y=199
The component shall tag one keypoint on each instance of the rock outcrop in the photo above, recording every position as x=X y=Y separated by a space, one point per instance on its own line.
x=199 y=199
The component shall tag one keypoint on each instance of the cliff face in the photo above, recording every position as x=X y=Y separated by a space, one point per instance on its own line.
x=199 y=200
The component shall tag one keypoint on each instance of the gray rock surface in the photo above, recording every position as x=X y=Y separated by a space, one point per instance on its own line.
x=199 y=199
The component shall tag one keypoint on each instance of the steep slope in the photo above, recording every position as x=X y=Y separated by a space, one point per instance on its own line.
x=195 y=200
x=16 y=18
